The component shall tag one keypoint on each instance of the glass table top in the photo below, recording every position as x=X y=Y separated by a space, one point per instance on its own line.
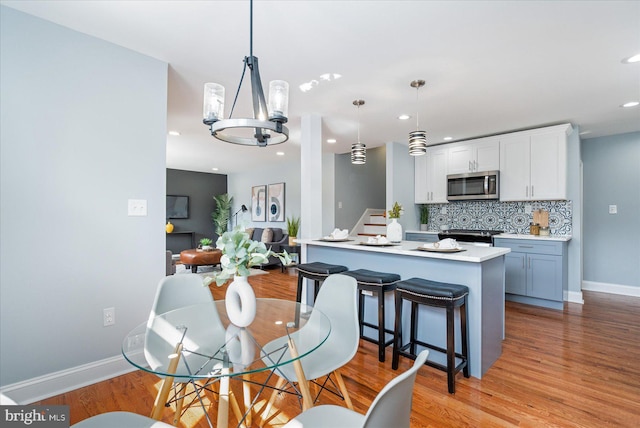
x=213 y=347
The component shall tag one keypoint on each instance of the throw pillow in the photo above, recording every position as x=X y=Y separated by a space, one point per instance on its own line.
x=250 y=230
x=267 y=235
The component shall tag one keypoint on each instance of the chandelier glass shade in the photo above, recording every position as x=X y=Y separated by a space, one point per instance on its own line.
x=358 y=150
x=417 y=139
x=266 y=127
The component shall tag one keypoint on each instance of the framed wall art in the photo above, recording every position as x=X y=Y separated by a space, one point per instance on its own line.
x=258 y=203
x=276 y=202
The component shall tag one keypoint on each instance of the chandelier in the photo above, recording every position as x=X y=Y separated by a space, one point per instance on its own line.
x=267 y=124
x=417 y=139
x=358 y=150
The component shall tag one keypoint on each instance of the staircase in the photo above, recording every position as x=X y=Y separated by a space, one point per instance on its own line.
x=372 y=223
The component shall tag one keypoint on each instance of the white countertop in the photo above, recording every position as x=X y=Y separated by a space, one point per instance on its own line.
x=509 y=235
x=472 y=253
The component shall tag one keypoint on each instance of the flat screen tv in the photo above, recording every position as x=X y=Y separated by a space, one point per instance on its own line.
x=177 y=206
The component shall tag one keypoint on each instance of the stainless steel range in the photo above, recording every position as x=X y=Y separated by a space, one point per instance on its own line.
x=469 y=236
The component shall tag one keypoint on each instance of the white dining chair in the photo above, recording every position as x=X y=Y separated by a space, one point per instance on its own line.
x=390 y=408
x=120 y=420
x=205 y=333
x=337 y=300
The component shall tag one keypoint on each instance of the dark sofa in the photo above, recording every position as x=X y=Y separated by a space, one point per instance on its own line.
x=277 y=239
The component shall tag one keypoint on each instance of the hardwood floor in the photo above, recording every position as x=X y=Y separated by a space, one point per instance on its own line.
x=572 y=368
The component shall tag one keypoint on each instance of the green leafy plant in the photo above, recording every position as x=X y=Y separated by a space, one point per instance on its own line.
x=239 y=253
x=424 y=214
x=293 y=226
x=206 y=242
x=396 y=210
x=222 y=213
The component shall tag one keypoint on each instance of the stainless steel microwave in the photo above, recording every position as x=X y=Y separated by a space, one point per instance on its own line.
x=473 y=186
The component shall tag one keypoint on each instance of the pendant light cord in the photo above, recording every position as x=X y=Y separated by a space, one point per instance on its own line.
x=244 y=69
x=417 y=110
x=358 y=123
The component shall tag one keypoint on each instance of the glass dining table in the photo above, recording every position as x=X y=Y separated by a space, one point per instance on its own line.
x=197 y=345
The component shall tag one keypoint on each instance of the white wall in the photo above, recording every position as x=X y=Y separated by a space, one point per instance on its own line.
x=612 y=241
x=83 y=129
x=401 y=184
x=239 y=186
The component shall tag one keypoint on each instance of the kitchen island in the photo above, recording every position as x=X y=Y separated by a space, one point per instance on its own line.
x=479 y=268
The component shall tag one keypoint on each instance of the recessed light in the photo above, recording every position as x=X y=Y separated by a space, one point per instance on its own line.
x=174 y=133
x=331 y=140
x=448 y=138
x=280 y=153
x=632 y=59
x=214 y=169
x=404 y=117
x=630 y=104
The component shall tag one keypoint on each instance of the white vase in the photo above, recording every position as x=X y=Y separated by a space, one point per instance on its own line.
x=240 y=302
x=394 y=231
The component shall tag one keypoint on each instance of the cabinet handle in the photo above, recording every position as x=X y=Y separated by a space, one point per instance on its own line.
x=525 y=246
x=524 y=266
x=526 y=191
x=470 y=166
x=475 y=165
x=532 y=190
x=528 y=258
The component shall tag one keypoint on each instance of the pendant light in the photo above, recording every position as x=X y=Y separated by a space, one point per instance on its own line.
x=267 y=124
x=417 y=139
x=358 y=150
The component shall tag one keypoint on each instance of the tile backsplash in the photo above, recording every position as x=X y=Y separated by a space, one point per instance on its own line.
x=510 y=217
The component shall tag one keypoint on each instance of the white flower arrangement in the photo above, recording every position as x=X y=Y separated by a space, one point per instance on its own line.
x=239 y=254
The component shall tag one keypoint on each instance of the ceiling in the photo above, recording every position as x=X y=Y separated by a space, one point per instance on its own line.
x=489 y=67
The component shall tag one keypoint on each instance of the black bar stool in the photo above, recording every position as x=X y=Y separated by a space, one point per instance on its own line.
x=377 y=283
x=420 y=291
x=317 y=272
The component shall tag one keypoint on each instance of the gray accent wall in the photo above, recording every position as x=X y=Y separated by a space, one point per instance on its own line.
x=358 y=187
x=201 y=187
x=82 y=130
x=612 y=241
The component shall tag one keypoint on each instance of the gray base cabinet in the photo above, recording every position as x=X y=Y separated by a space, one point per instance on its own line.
x=421 y=237
x=535 y=272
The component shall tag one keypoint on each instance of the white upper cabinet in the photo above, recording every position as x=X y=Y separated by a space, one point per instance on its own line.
x=533 y=164
x=431 y=176
x=473 y=156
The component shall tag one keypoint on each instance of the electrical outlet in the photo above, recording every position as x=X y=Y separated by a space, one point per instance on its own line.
x=528 y=209
x=443 y=210
x=108 y=316
x=613 y=209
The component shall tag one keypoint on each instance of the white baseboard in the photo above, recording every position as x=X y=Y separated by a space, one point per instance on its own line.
x=574 y=297
x=603 y=287
x=49 y=385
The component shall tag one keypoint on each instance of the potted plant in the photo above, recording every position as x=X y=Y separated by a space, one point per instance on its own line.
x=424 y=216
x=222 y=213
x=293 y=226
x=239 y=253
x=205 y=244
x=394 y=229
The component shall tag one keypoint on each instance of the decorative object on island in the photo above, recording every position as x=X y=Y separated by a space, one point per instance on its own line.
x=263 y=131
x=394 y=229
x=417 y=139
x=276 y=202
x=258 y=202
x=293 y=226
x=169 y=227
x=221 y=214
x=239 y=253
x=424 y=216
x=358 y=150
x=205 y=244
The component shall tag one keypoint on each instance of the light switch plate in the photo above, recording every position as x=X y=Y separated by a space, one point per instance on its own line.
x=137 y=207
x=613 y=209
